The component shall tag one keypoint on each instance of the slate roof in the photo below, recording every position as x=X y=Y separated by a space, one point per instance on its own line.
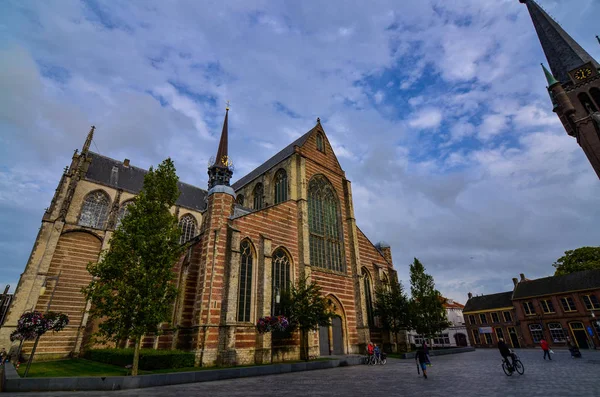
x=578 y=281
x=131 y=179
x=270 y=163
x=562 y=52
x=487 y=302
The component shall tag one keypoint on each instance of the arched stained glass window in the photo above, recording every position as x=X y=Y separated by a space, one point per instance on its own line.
x=245 y=288
x=187 y=224
x=258 y=196
x=326 y=246
x=240 y=199
x=123 y=211
x=320 y=143
x=280 y=277
x=281 y=186
x=94 y=211
x=368 y=296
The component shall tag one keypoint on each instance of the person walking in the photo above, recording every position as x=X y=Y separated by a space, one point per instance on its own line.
x=545 y=348
x=422 y=360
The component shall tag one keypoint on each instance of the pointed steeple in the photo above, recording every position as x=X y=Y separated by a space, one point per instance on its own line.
x=88 y=141
x=220 y=172
x=562 y=52
x=549 y=77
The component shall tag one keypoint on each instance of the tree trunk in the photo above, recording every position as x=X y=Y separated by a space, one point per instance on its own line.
x=136 y=356
x=37 y=339
x=304 y=345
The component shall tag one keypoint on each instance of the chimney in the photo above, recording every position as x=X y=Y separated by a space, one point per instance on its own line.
x=515 y=281
x=126 y=162
x=522 y=277
x=385 y=250
x=470 y=295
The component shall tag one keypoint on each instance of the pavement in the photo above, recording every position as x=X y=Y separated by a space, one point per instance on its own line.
x=477 y=373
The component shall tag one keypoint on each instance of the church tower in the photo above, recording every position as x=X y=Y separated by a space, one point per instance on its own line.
x=221 y=171
x=573 y=83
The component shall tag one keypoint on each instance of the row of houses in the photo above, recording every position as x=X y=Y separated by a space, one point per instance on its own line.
x=558 y=309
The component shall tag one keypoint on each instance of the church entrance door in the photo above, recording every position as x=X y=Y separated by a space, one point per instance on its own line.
x=338 y=337
x=323 y=341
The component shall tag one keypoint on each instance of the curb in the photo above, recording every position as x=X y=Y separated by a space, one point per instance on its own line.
x=89 y=383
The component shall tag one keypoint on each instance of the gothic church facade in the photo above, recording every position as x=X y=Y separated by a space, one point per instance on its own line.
x=291 y=217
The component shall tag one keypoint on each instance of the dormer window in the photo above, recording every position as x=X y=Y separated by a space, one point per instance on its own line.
x=320 y=143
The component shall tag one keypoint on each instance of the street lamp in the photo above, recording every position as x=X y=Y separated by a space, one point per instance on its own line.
x=43 y=289
x=277 y=295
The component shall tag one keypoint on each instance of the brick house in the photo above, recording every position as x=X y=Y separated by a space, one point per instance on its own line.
x=489 y=317
x=291 y=217
x=559 y=307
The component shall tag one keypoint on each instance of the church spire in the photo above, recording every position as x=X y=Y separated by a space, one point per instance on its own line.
x=88 y=141
x=562 y=52
x=220 y=172
x=549 y=77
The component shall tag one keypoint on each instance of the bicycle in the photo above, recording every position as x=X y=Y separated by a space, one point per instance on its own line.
x=381 y=359
x=510 y=369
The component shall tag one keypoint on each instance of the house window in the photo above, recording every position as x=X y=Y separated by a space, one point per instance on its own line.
x=368 y=296
x=187 y=224
x=326 y=245
x=507 y=317
x=568 y=304
x=476 y=337
x=472 y=319
x=280 y=277
x=495 y=318
x=123 y=211
x=258 y=196
x=536 y=332
x=488 y=339
x=240 y=199
x=591 y=302
x=482 y=318
x=245 y=287
x=528 y=308
x=320 y=143
x=94 y=211
x=547 y=306
x=441 y=339
x=281 y=186
x=499 y=333
x=557 y=333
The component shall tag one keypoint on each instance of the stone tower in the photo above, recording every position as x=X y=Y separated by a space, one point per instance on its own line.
x=573 y=83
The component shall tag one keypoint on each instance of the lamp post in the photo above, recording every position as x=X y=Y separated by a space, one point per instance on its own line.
x=43 y=289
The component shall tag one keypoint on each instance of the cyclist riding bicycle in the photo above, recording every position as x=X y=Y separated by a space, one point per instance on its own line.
x=506 y=353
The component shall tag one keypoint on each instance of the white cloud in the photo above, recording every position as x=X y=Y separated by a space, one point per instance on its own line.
x=492 y=125
x=426 y=118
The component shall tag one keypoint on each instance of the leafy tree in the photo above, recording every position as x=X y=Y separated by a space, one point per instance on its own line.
x=307 y=309
x=392 y=306
x=132 y=290
x=584 y=258
x=428 y=316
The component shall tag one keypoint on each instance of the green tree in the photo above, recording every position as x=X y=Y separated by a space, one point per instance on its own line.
x=584 y=258
x=306 y=309
x=428 y=316
x=392 y=306
x=131 y=289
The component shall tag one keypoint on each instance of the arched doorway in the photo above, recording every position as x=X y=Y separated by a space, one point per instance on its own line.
x=461 y=339
x=579 y=334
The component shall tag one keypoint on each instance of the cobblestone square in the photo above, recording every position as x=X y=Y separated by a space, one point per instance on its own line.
x=476 y=373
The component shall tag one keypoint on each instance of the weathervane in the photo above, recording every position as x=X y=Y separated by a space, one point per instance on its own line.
x=227 y=107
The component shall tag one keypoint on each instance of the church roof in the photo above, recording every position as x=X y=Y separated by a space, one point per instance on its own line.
x=270 y=163
x=578 y=281
x=131 y=179
x=487 y=302
x=563 y=53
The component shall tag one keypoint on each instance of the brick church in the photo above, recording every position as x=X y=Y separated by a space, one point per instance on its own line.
x=291 y=217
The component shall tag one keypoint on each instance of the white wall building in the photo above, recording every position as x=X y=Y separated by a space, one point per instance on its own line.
x=455 y=335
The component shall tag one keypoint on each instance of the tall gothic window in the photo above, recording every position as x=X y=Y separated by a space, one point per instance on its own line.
x=123 y=211
x=280 y=277
x=368 y=296
x=595 y=93
x=245 y=288
x=281 y=186
x=94 y=211
x=240 y=199
x=258 y=196
x=187 y=224
x=325 y=227
x=320 y=143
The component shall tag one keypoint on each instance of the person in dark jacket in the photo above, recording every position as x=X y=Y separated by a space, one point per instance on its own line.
x=506 y=353
x=422 y=357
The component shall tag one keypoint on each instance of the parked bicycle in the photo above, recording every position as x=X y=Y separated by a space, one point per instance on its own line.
x=375 y=360
x=516 y=367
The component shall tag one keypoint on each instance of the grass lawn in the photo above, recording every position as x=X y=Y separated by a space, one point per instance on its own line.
x=81 y=367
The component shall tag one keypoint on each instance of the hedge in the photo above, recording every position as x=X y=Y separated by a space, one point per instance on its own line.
x=149 y=358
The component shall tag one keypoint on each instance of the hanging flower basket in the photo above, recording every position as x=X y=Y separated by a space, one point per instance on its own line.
x=271 y=324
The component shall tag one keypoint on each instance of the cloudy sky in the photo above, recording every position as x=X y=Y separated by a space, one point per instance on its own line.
x=436 y=109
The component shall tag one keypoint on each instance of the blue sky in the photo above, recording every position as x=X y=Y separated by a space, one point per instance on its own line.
x=437 y=111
